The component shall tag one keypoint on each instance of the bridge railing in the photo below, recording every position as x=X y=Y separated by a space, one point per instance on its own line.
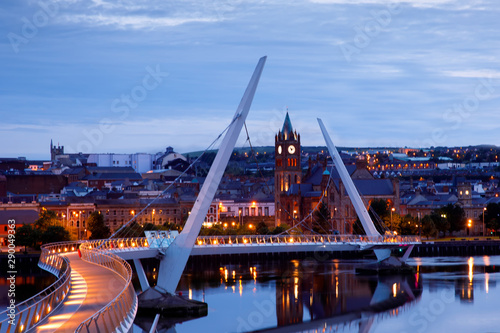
x=131 y=244
x=117 y=243
x=119 y=314
x=28 y=313
x=312 y=239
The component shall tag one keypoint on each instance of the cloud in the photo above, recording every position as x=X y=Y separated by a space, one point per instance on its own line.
x=135 y=22
x=478 y=73
x=413 y=3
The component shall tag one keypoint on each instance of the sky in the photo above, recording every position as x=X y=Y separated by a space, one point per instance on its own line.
x=127 y=76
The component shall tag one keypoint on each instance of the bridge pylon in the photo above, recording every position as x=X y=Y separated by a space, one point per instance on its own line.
x=177 y=254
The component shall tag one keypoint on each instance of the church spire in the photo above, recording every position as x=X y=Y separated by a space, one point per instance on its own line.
x=287 y=129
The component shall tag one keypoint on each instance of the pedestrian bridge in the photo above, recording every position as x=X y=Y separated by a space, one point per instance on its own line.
x=60 y=305
x=155 y=242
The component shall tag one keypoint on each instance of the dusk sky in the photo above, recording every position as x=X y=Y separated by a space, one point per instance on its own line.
x=414 y=73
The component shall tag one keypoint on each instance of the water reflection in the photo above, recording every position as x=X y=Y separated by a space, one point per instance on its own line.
x=305 y=295
x=444 y=294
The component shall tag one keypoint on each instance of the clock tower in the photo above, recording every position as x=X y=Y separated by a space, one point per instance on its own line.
x=287 y=170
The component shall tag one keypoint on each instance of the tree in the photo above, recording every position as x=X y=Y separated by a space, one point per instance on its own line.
x=492 y=216
x=26 y=236
x=54 y=234
x=46 y=218
x=381 y=207
x=428 y=227
x=171 y=226
x=262 y=228
x=322 y=219
x=97 y=227
x=279 y=229
x=456 y=217
x=409 y=225
x=442 y=224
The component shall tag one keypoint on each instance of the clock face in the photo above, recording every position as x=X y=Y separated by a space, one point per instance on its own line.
x=279 y=149
x=291 y=149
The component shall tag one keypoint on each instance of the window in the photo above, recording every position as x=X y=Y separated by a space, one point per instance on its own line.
x=246 y=211
x=279 y=163
x=253 y=211
x=266 y=211
x=260 y=211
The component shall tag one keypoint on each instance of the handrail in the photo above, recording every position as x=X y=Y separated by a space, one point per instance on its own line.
x=302 y=239
x=118 y=314
x=33 y=310
x=131 y=244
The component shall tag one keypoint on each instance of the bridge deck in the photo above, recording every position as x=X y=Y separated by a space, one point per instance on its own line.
x=92 y=287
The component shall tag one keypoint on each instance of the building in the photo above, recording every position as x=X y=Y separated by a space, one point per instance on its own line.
x=288 y=170
x=297 y=196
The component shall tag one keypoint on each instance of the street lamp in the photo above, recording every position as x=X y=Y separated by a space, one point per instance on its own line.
x=392 y=210
x=469 y=224
x=484 y=211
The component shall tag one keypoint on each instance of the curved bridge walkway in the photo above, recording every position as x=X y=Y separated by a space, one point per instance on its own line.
x=92 y=288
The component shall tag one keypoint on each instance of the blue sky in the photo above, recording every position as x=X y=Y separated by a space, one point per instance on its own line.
x=413 y=73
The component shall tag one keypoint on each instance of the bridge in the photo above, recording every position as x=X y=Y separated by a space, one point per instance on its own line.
x=75 y=303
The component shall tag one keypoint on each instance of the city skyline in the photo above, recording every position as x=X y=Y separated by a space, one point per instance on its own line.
x=416 y=74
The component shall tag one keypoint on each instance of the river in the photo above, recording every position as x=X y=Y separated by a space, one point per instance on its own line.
x=446 y=294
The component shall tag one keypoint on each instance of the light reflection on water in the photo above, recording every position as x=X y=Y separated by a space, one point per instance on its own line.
x=452 y=294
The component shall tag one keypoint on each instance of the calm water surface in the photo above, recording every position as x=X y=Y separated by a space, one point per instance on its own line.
x=451 y=294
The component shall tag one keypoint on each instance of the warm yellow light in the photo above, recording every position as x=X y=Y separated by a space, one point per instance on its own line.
x=225 y=225
x=250 y=226
x=199 y=242
x=254 y=203
x=291 y=240
x=215 y=242
x=244 y=241
x=233 y=224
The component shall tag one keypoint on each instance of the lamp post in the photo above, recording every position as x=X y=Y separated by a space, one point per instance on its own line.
x=469 y=225
x=484 y=211
x=419 y=224
x=392 y=210
x=79 y=214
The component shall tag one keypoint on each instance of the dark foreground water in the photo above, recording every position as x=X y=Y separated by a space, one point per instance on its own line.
x=451 y=294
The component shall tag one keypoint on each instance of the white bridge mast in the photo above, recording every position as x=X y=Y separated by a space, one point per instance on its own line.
x=360 y=208
x=177 y=254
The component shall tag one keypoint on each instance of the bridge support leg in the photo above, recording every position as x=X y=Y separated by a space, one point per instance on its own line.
x=382 y=254
x=143 y=280
x=407 y=253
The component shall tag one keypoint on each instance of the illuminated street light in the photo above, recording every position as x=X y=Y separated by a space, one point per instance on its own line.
x=484 y=212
